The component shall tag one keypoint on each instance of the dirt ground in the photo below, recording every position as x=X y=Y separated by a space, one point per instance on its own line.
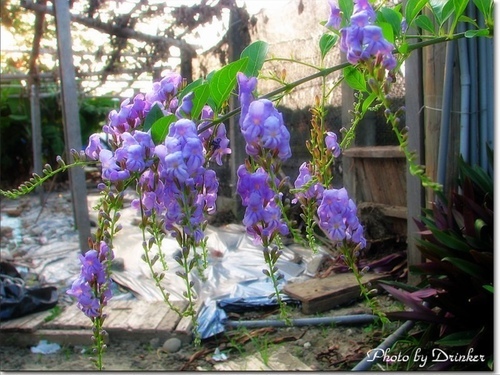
x=322 y=348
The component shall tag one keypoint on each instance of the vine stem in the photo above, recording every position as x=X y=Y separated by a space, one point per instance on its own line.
x=325 y=72
x=350 y=260
x=271 y=258
x=149 y=262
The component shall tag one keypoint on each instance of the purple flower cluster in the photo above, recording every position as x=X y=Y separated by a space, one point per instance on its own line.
x=134 y=148
x=261 y=124
x=338 y=218
x=362 y=40
x=182 y=189
x=268 y=144
x=173 y=179
x=314 y=189
x=263 y=218
x=214 y=138
x=92 y=288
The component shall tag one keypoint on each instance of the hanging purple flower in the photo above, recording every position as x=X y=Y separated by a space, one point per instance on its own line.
x=246 y=88
x=110 y=169
x=94 y=147
x=364 y=7
x=263 y=218
x=332 y=144
x=315 y=191
x=335 y=18
x=92 y=288
x=164 y=90
x=362 y=40
x=338 y=218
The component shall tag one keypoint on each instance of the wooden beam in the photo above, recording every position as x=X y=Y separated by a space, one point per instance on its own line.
x=238 y=39
x=414 y=121
x=374 y=152
x=71 y=121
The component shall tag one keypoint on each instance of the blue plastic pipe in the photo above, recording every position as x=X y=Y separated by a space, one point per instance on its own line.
x=342 y=319
x=372 y=357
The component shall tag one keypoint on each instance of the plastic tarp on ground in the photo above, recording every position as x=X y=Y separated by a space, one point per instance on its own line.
x=233 y=276
x=234 y=273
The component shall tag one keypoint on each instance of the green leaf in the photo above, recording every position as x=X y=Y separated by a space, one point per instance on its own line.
x=403 y=48
x=18 y=117
x=393 y=18
x=413 y=8
x=326 y=43
x=155 y=113
x=159 y=129
x=223 y=81
x=459 y=7
x=354 y=78
x=469 y=268
x=387 y=31
x=489 y=288
x=200 y=97
x=463 y=338
x=476 y=33
x=256 y=53
x=425 y=23
x=442 y=10
x=347 y=7
x=433 y=250
x=186 y=90
x=368 y=102
x=451 y=240
x=467 y=19
x=485 y=7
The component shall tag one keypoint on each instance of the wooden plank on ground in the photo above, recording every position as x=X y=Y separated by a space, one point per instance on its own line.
x=171 y=320
x=118 y=312
x=184 y=326
x=68 y=315
x=71 y=318
x=27 y=323
x=319 y=295
x=146 y=316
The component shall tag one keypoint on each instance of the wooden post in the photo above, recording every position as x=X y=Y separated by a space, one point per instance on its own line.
x=238 y=39
x=71 y=120
x=36 y=132
x=433 y=58
x=414 y=121
x=187 y=64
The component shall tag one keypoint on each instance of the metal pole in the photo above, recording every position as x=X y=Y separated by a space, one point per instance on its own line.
x=71 y=120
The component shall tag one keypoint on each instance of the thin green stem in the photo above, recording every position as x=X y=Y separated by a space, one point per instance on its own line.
x=188 y=266
x=325 y=72
x=36 y=180
x=293 y=61
x=271 y=258
x=150 y=262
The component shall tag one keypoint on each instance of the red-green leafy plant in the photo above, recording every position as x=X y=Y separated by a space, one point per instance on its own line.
x=455 y=297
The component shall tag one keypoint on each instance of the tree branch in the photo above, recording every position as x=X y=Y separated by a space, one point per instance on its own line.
x=122 y=32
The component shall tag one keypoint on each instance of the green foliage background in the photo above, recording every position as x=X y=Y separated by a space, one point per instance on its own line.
x=15 y=130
